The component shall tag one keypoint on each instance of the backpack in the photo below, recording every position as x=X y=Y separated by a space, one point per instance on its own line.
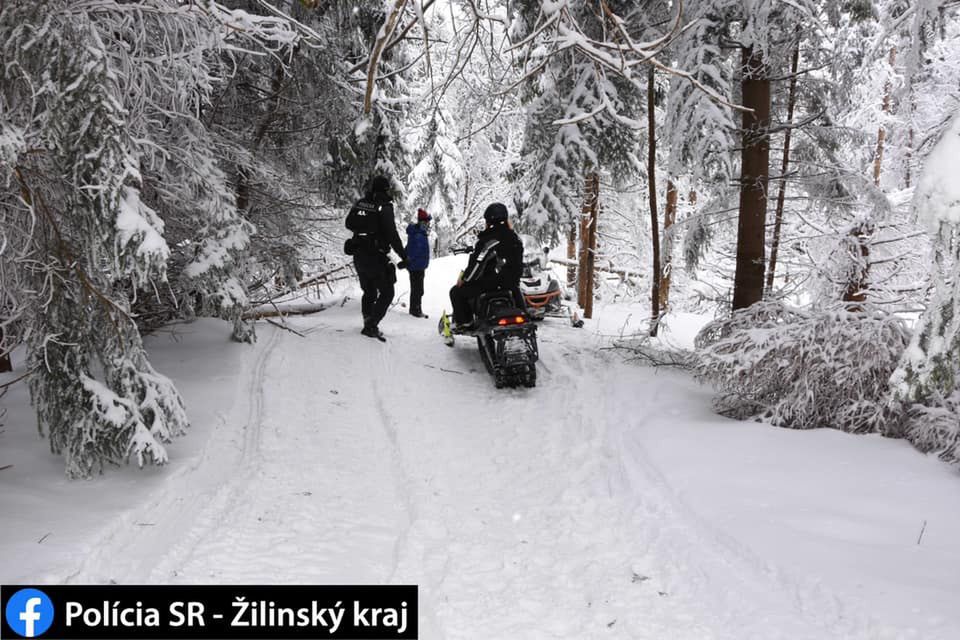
x=364 y=218
x=364 y=221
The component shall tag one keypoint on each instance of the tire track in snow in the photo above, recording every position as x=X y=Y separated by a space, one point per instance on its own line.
x=702 y=564
x=128 y=551
x=813 y=612
x=709 y=590
x=403 y=549
x=238 y=475
x=320 y=509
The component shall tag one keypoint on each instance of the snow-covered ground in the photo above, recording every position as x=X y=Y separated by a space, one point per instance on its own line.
x=608 y=502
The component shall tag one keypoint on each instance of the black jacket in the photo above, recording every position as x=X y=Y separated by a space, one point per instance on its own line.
x=497 y=259
x=381 y=233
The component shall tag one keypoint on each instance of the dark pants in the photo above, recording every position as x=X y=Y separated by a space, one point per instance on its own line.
x=377 y=276
x=461 y=298
x=416 y=292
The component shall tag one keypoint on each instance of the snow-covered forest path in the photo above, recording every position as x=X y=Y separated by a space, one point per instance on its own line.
x=519 y=513
x=607 y=502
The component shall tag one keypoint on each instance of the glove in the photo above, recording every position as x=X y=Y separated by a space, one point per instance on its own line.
x=402 y=264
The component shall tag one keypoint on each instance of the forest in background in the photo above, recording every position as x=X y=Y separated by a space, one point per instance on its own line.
x=788 y=165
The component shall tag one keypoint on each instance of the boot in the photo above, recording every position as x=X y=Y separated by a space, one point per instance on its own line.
x=373 y=331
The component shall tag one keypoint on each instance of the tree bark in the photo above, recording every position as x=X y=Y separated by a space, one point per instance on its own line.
x=754 y=174
x=585 y=215
x=572 y=255
x=592 y=253
x=588 y=242
x=652 y=191
x=379 y=46
x=784 y=166
x=5 y=363
x=669 y=218
x=856 y=292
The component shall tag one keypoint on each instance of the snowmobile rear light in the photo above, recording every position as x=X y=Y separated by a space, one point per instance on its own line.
x=512 y=320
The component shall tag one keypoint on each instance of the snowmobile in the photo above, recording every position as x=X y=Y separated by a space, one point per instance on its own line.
x=506 y=337
x=541 y=289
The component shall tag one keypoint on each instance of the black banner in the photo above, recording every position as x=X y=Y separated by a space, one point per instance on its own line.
x=119 y=612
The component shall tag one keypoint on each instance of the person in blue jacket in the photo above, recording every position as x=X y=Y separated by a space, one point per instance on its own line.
x=418 y=258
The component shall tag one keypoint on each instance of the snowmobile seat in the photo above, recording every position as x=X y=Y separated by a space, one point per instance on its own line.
x=494 y=305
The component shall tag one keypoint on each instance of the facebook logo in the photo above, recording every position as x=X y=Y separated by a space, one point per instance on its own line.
x=29 y=613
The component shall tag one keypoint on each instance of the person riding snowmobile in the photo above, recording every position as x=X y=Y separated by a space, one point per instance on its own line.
x=495 y=264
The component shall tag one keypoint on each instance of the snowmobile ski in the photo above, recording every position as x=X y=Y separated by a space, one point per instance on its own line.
x=444 y=329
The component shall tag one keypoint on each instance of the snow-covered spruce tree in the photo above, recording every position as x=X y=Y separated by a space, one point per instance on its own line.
x=458 y=125
x=96 y=395
x=376 y=135
x=105 y=99
x=699 y=132
x=928 y=379
x=698 y=139
x=436 y=180
x=803 y=369
x=582 y=117
x=563 y=143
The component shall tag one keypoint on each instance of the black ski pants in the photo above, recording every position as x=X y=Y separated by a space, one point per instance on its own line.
x=461 y=299
x=416 y=292
x=377 y=276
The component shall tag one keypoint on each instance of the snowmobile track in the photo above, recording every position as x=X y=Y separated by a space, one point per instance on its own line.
x=193 y=497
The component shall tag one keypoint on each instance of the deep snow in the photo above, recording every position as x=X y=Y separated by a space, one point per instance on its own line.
x=607 y=502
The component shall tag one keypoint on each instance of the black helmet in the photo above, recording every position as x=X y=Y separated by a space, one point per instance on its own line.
x=380 y=184
x=496 y=212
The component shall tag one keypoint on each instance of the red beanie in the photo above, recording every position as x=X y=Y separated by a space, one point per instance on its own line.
x=422 y=215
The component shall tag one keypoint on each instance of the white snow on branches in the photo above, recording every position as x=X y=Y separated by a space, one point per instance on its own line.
x=138 y=225
x=12 y=142
x=937 y=198
x=801 y=368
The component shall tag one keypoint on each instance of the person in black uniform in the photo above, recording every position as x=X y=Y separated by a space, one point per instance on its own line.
x=374 y=234
x=495 y=264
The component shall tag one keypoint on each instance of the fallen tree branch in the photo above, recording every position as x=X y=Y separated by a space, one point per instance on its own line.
x=318 y=279
x=626 y=273
x=263 y=312
x=285 y=327
x=650 y=355
x=7 y=385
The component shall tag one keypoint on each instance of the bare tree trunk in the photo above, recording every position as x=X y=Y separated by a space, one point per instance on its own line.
x=669 y=218
x=856 y=292
x=652 y=190
x=5 y=363
x=572 y=255
x=910 y=142
x=754 y=175
x=585 y=215
x=386 y=30
x=784 y=166
x=592 y=252
x=882 y=132
x=588 y=243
